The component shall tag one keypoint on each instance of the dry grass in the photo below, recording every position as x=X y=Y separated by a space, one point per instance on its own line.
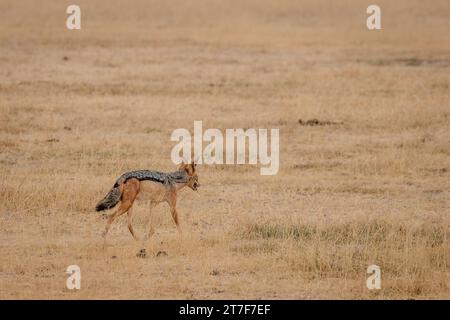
x=364 y=120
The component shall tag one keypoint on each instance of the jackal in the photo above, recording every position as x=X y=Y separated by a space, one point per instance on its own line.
x=153 y=186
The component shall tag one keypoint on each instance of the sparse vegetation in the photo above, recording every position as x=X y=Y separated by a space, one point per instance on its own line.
x=364 y=121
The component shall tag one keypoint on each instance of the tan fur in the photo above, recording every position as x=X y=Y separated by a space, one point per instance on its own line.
x=153 y=192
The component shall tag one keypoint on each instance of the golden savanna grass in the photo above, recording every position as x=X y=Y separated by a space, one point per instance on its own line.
x=367 y=183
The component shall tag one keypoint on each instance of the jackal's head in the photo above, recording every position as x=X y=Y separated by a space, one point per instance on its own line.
x=192 y=175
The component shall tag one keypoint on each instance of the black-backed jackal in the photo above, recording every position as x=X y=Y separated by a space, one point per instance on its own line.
x=152 y=186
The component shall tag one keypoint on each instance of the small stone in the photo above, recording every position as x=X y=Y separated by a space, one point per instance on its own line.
x=215 y=272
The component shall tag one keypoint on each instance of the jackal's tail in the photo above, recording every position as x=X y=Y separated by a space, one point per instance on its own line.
x=110 y=200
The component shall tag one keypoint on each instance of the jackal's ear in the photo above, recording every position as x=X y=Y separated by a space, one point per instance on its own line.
x=189 y=169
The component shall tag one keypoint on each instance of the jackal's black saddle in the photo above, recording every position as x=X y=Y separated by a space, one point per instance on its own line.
x=179 y=176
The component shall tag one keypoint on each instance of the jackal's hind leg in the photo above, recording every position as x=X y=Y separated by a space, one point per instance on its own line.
x=172 y=202
x=130 y=191
x=174 y=213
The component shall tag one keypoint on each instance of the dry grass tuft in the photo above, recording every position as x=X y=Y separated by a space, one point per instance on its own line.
x=409 y=254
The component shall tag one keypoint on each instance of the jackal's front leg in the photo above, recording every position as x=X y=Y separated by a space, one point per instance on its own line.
x=124 y=206
x=172 y=201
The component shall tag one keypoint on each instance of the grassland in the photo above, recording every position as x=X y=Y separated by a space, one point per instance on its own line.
x=367 y=183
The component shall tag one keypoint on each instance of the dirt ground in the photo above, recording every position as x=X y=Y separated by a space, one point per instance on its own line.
x=364 y=119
